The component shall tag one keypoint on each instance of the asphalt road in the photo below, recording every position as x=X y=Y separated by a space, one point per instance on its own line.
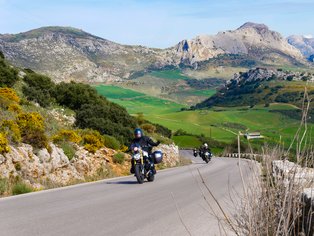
x=173 y=204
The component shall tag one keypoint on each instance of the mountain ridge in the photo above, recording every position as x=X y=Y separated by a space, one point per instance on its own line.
x=67 y=53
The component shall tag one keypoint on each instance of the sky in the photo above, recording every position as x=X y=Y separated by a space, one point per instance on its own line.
x=156 y=23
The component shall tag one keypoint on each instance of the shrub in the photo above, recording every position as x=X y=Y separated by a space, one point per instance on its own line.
x=93 y=141
x=67 y=135
x=30 y=121
x=118 y=158
x=148 y=128
x=68 y=149
x=21 y=188
x=15 y=108
x=4 y=144
x=8 y=75
x=36 y=138
x=8 y=97
x=12 y=129
x=39 y=88
x=9 y=94
x=32 y=129
x=111 y=142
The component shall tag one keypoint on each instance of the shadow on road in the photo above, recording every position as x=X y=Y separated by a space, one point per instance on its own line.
x=123 y=182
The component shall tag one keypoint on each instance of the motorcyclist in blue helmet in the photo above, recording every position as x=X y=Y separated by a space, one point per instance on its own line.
x=145 y=142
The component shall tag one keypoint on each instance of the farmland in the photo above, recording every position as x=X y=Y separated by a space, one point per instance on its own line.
x=222 y=124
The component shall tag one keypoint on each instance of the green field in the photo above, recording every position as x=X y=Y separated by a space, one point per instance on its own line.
x=136 y=102
x=169 y=74
x=222 y=124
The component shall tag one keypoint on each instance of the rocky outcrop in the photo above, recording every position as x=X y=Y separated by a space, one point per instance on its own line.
x=53 y=166
x=255 y=40
x=171 y=154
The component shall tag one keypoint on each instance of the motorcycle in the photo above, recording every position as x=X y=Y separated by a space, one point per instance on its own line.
x=205 y=156
x=144 y=164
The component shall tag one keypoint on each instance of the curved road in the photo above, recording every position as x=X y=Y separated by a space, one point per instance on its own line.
x=172 y=205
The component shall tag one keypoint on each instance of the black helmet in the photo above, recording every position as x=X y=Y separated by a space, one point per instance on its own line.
x=138 y=133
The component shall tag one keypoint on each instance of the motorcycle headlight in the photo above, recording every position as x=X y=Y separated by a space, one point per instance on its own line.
x=137 y=156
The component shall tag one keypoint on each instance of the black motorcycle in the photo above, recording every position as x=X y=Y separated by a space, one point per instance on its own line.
x=144 y=164
x=206 y=156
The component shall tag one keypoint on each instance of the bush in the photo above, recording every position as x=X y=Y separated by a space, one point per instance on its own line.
x=67 y=135
x=8 y=75
x=12 y=130
x=148 y=128
x=4 y=144
x=8 y=97
x=32 y=129
x=21 y=188
x=93 y=141
x=118 y=158
x=39 y=88
x=68 y=149
x=111 y=142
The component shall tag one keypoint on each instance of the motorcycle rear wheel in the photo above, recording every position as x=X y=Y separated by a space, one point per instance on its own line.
x=139 y=175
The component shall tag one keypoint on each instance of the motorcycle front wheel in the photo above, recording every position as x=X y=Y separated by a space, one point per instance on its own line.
x=138 y=173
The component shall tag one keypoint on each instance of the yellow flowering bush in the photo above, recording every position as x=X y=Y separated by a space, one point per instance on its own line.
x=93 y=141
x=12 y=130
x=67 y=135
x=4 y=144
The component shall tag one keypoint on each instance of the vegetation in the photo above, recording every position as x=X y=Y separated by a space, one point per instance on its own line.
x=21 y=188
x=119 y=158
x=8 y=75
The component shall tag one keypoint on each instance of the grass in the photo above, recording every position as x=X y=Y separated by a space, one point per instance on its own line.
x=186 y=141
x=169 y=74
x=136 y=102
x=119 y=158
x=21 y=188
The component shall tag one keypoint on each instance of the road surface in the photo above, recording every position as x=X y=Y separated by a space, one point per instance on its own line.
x=172 y=205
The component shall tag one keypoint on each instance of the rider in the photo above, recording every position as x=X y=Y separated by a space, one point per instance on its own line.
x=204 y=148
x=145 y=142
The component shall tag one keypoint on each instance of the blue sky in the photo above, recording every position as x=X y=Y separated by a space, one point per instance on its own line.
x=156 y=23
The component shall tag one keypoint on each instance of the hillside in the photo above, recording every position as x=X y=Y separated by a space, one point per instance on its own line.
x=67 y=54
x=59 y=134
x=263 y=86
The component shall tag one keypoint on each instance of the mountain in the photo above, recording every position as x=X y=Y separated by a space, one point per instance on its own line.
x=251 y=39
x=71 y=54
x=304 y=44
x=67 y=53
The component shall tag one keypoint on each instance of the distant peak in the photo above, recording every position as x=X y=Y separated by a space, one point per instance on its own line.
x=308 y=36
x=254 y=25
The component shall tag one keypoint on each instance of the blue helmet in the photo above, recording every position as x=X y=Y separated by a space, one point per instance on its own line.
x=138 y=133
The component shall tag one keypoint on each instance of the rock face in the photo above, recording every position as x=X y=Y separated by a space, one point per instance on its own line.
x=171 y=154
x=55 y=167
x=304 y=44
x=255 y=40
x=72 y=54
